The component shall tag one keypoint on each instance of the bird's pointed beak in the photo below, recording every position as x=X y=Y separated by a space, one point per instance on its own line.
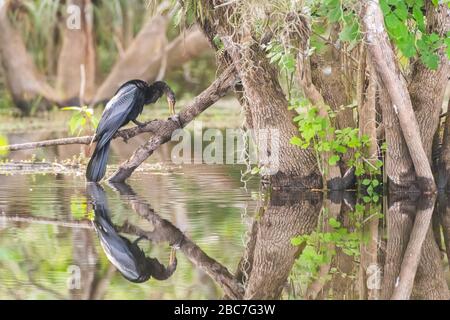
x=173 y=256
x=171 y=106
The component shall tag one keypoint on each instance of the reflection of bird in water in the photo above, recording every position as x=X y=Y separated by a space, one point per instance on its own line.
x=125 y=255
x=126 y=105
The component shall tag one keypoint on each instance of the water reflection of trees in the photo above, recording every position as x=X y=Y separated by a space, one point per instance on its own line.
x=398 y=257
x=354 y=251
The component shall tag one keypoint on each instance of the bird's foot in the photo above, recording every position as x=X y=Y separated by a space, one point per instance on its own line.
x=138 y=123
x=176 y=118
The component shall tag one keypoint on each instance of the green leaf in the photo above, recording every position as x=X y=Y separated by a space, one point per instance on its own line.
x=418 y=17
x=430 y=60
x=334 y=223
x=366 y=182
x=297 y=241
x=333 y=159
x=349 y=32
x=335 y=14
x=296 y=141
x=401 y=11
x=255 y=170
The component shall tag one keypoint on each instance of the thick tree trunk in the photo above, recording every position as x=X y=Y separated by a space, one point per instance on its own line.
x=284 y=165
x=292 y=166
x=23 y=80
x=427 y=87
x=76 y=62
x=331 y=74
x=398 y=164
x=384 y=61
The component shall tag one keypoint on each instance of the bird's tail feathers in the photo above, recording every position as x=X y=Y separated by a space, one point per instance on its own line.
x=97 y=165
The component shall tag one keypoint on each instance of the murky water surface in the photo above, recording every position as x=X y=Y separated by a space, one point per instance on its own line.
x=61 y=238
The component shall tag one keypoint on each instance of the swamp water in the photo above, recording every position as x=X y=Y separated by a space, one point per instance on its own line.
x=297 y=245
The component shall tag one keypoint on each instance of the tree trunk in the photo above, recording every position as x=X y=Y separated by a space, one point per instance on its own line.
x=427 y=87
x=76 y=62
x=271 y=120
x=383 y=57
x=22 y=78
x=268 y=106
x=398 y=164
x=330 y=72
x=430 y=282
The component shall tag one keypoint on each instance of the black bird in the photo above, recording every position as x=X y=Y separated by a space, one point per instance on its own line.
x=126 y=105
x=125 y=255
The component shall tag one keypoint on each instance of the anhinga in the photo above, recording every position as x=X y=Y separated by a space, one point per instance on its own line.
x=125 y=255
x=126 y=105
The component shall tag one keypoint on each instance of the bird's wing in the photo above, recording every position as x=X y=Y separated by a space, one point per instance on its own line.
x=116 y=112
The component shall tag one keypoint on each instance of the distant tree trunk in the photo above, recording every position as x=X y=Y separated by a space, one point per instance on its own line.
x=143 y=59
x=76 y=62
x=22 y=78
x=146 y=46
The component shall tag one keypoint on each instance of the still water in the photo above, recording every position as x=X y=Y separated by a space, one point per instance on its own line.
x=61 y=238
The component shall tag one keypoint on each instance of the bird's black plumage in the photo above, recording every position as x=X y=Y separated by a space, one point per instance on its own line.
x=126 y=105
x=125 y=255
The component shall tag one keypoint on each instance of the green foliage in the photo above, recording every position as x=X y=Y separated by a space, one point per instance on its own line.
x=320 y=248
x=314 y=132
x=405 y=24
x=82 y=118
x=282 y=56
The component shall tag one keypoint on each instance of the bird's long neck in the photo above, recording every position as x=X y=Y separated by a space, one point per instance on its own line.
x=154 y=91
